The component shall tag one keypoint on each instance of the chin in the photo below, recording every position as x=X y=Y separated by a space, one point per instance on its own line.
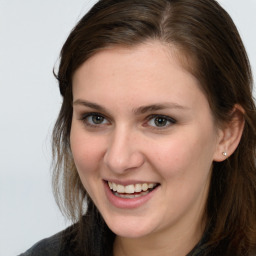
x=130 y=233
x=130 y=228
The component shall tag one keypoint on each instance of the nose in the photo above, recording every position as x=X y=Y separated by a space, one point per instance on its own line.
x=123 y=151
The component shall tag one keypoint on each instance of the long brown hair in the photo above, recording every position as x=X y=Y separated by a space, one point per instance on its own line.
x=207 y=38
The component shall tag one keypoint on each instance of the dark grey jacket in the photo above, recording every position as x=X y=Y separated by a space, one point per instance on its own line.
x=47 y=247
x=52 y=247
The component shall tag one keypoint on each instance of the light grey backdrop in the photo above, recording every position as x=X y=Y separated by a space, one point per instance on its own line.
x=31 y=35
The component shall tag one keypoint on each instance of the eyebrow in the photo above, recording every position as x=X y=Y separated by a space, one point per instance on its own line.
x=156 y=107
x=89 y=104
x=137 y=111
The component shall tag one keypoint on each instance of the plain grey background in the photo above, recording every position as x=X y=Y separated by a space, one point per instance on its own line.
x=31 y=35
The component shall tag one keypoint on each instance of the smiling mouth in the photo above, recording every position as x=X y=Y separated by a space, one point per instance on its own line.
x=132 y=190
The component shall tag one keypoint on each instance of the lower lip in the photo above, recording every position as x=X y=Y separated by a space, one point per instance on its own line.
x=127 y=203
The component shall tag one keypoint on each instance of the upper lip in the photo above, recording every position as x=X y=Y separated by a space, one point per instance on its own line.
x=129 y=182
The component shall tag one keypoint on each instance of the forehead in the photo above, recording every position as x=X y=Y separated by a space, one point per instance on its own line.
x=129 y=61
x=123 y=79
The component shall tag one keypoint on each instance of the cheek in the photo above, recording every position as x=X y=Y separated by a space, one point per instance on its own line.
x=87 y=154
x=184 y=163
x=87 y=151
x=183 y=155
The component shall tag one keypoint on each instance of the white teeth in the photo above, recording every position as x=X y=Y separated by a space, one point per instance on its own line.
x=120 y=188
x=114 y=187
x=145 y=187
x=130 y=189
x=129 y=196
x=151 y=185
x=110 y=185
x=138 y=188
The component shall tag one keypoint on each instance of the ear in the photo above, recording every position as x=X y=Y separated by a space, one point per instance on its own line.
x=230 y=134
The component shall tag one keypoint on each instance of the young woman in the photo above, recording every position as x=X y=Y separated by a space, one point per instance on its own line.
x=155 y=141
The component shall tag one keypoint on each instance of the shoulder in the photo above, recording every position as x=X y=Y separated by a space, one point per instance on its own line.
x=50 y=246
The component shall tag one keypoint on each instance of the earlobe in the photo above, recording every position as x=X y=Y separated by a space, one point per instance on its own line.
x=230 y=135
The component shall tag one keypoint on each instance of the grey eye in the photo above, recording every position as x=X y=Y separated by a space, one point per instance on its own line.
x=95 y=119
x=160 y=121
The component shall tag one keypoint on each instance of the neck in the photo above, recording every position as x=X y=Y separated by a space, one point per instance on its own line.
x=162 y=244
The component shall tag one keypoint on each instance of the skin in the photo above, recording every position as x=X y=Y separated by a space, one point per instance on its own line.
x=128 y=145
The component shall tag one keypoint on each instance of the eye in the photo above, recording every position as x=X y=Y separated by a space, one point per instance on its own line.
x=160 y=121
x=94 y=119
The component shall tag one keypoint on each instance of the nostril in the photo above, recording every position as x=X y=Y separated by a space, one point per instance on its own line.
x=123 y=160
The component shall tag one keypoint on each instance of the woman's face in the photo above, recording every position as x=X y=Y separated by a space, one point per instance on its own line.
x=142 y=126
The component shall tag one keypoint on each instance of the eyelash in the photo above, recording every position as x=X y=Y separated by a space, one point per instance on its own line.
x=166 y=119
x=163 y=117
x=84 y=118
